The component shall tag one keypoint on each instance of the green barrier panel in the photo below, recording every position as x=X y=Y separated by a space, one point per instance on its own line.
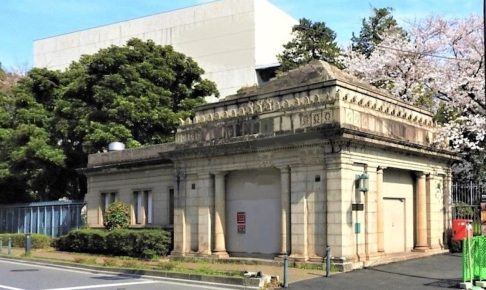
x=474 y=259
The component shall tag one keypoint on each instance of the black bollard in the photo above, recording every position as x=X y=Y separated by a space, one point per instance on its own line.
x=328 y=261
x=28 y=244
x=9 y=246
x=286 y=272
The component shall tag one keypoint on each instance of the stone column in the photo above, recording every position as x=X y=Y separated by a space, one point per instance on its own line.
x=379 y=210
x=284 y=197
x=180 y=240
x=421 y=213
x=430 y=208
x=219 y=215
x=447 y=184
x=204 y=189
x=298 y=214
x=447 y=202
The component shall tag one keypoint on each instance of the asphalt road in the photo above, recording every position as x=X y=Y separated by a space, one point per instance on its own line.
x=19 y=275
x=430 y=273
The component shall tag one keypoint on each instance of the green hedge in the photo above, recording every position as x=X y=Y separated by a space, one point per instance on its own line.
x=38 y=241
x=123 y=242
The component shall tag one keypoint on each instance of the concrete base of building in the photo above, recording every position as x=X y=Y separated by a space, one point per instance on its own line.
x=298 y=258
x=341 y=264
x=316 y=259
x=204 y=253
x=177 y=254
x=481 y=284
x=220 y=255
x=421 y=249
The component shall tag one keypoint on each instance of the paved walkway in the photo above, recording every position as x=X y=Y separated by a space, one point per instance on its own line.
x=435 y=272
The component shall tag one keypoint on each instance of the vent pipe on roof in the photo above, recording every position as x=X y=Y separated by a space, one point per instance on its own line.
x=116 y=146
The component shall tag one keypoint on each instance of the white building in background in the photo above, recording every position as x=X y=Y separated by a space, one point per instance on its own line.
x=235 y=41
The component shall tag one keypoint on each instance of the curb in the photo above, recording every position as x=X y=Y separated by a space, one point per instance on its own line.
x=233 y=282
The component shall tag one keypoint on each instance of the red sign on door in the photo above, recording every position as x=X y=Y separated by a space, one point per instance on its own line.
x=241 y=217
x=241 y=229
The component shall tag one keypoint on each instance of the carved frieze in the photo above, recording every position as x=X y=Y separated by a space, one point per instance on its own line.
x=264 y=106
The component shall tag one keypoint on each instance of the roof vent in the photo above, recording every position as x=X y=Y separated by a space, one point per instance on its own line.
x=116 y=146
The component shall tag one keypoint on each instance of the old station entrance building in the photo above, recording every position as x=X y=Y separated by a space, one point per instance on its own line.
x=311 y=159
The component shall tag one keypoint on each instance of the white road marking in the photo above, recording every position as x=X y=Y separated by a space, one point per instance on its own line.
x=9 y=288
x=204 y=284
x=64 y=268
x=105 y=285
x=164 y=280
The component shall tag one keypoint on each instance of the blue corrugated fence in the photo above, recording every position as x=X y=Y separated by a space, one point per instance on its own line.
x=54 y=218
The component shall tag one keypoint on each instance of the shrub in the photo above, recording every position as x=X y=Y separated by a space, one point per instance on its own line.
x=464 y=210
x=134 y=243
x=38 y=241
x=83 y=240
x=119 y=242
x=117 y=216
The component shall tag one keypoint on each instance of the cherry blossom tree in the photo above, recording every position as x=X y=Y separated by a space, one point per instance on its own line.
x=439 y=65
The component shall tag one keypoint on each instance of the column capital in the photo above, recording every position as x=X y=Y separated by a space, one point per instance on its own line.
x=380 y=168
x=219 y=173
x=204 y=175
x=284 y=169
x=419 y=174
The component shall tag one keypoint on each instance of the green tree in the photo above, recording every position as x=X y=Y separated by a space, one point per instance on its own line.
x=30 y=160
x=312 y=40
x=373 y=30
x=134 y=93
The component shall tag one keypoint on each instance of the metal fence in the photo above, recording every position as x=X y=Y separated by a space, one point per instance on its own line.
x=53 y=218
x=468 y=195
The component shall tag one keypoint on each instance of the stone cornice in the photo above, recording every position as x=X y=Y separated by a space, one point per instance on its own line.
x=337 y=137
x=333 y=140
x=154 y=162
x=382 y=105
x=356 y=136
x=261 y=106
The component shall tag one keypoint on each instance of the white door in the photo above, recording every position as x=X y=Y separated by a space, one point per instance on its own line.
x=394 y=224
x=253 y=202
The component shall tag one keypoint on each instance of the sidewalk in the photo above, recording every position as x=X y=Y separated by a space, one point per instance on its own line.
x=429 y=273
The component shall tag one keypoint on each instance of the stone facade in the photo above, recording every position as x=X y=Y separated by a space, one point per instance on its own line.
x=273 y=170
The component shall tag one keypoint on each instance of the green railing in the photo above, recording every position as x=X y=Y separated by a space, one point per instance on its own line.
x=474 y=259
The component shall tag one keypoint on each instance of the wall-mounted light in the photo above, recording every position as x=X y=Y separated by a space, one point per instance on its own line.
x=362 y=181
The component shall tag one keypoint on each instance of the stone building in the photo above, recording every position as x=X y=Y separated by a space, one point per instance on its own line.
x=311 y=159
x=232 y=40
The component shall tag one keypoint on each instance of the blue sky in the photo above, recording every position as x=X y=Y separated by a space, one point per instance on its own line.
x=23 y=21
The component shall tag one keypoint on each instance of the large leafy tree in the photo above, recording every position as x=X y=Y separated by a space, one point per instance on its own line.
x=30 y=159
x=312 y=40
x=134 y=93
x=374 y=30
x=441 y=60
